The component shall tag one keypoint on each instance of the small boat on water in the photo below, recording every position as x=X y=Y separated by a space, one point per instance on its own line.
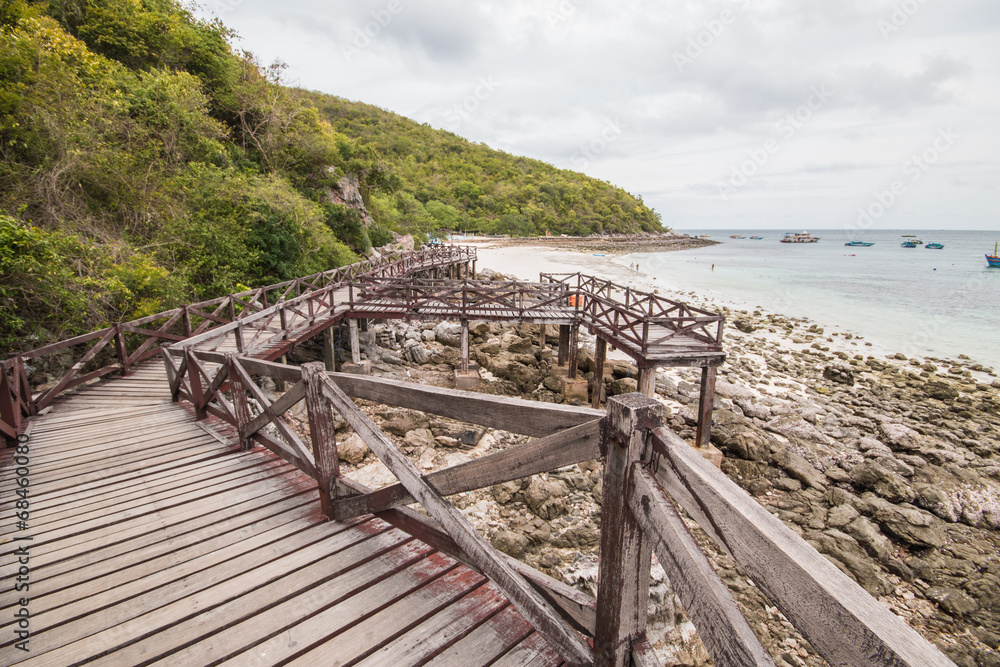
x=756 y=238
x=803 y=237
x=736 y=236
x=934 y=246
x=994 y=259
x=704 y=236
x=859 y=244
x=908 y=244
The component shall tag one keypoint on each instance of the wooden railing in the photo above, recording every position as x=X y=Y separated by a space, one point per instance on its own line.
x=117 y=348
x=466 y=299
x=647 y=470
x=644 y=319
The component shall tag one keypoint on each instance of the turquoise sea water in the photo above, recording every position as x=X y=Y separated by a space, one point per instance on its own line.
x=917 y=301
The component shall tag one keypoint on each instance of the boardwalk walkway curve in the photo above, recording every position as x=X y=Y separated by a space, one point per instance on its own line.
x=155 y=531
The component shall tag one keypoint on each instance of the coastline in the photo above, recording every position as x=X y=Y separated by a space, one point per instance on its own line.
x=606 y=245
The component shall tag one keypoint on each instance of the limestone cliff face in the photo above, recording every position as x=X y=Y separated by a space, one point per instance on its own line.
x=347 y=192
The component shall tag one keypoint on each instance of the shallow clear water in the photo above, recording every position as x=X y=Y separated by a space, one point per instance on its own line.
x=918 y=301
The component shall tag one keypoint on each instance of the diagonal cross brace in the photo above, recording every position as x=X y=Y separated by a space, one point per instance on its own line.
x=521 y=594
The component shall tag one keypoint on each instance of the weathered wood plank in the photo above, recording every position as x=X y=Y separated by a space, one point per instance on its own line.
x=573 y=445
x=535 y=608
x=842 y=622
x=721 y=625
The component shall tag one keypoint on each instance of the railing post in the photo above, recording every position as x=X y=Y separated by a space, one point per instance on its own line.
x=120 y=348
x=197 y=390
x=187 y=320
x=322 y=430
x=625 y=555
x=241 y=406
x=10 y=412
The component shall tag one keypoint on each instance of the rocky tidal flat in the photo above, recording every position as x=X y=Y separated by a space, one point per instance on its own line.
x=888 y=466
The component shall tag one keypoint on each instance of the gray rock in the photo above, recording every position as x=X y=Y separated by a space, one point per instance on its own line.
x=802 y=470
x=546 y=498
x=352 y=449
x=623 y=386
x=841 y=515
x=509 y=542
x=870 y=475
x=870 y=538
x=907 y=523
x=839 y=374
x=448 y=333
x=900 y=437
x=746 y=326
x=420 y=438
x=952 y=601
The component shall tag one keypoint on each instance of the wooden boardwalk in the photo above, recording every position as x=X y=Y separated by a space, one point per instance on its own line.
x=155 y=540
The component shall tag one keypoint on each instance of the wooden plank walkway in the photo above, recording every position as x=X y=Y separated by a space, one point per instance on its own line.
x=155 y=540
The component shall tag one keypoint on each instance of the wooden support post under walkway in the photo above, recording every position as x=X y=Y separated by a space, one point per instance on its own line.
x=465 y=346
x=626 y=555
x=647 y=380
x=563 y=345
x=541 y=337
x=600 y=353
x=355 y=346
x=706 y=401
x=574 y=349
x=329 y=350
x=279 y=384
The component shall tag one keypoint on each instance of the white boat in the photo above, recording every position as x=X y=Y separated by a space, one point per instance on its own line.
x=802 y=237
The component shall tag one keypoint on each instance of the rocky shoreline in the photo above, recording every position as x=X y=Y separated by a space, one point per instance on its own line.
x=604 y=244
x=888 y=466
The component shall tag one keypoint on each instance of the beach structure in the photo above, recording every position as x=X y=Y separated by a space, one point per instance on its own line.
x=172 y=515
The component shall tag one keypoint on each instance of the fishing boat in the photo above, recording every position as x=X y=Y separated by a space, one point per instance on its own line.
x=908 y=244
x=803 y=237
x=736 y=236
x=909 y=236
x=756 y=238
x=860 y=244
x=994 y=259
x=934 y=246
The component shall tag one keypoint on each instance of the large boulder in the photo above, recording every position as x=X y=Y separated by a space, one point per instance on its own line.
x=623 y=386
x=448 y=333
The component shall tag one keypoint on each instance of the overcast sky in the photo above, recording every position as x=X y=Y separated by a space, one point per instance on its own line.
x=728 y=113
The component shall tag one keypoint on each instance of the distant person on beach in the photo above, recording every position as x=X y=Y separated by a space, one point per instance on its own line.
x=713 y=267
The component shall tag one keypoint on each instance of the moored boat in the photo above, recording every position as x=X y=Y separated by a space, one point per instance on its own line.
x=860 y=244
x=908 y=244
x=802 y=237
x=994 y=259
x=736 y=236
x=934 y=246
x=756 y=238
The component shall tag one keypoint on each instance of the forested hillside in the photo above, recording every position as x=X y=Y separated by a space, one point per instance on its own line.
x=444 y=181
x=144 y=163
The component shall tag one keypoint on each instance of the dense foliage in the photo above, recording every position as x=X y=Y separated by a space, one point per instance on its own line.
x=144 y=163
x=446 y=182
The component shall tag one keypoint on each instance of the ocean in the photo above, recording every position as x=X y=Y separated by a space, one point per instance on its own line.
x=920 y=302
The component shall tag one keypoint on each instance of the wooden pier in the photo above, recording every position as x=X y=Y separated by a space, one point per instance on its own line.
x=173 y=516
